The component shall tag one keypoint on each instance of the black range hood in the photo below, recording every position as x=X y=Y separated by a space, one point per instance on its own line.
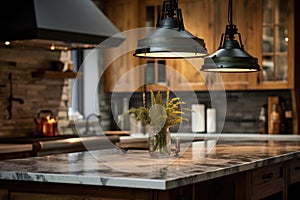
x=55 y=24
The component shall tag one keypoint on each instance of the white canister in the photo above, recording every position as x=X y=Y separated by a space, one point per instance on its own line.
x=198 y=118
x=211 y=125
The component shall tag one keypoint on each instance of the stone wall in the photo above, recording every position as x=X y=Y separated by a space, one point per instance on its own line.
x=37 y=93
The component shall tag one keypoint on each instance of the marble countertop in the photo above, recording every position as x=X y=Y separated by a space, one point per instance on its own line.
x=139 y=137
x=201 y=161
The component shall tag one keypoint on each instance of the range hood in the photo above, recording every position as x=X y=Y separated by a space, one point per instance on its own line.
x=55 y=24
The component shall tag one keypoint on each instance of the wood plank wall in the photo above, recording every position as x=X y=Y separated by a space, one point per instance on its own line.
x=297 y=63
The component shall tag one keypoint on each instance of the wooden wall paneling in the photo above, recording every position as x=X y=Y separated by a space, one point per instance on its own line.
x=296 y=91
x=198 y=19
x=124 y=15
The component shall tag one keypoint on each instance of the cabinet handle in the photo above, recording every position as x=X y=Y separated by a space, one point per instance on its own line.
x=297 y=168
x=267 y=176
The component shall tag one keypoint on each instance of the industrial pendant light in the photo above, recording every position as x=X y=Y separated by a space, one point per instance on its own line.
x=170 y=39
x=231 y=56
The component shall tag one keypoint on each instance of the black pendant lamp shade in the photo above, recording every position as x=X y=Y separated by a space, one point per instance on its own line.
x=170 y=39
x=231 y=56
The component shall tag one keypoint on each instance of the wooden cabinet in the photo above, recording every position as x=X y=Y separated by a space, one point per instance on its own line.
x=57 y=191
x=251 y=19
x=294 y=171
x=124 y=15
x=198 y=17
x=293 y=180
x=276 y=44
x=271 y=41
x=4 y=194
x=267 y=181
x=87 y=196
x=155 y=73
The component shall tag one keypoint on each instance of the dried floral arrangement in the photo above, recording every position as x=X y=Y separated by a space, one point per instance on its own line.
x=164 y=113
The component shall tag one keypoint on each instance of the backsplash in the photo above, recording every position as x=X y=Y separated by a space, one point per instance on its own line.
x=37 y=93
x=243 y=108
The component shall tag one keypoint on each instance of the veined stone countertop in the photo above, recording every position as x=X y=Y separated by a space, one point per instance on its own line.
x=201 y=161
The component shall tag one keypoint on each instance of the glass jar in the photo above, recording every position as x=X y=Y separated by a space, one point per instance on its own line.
x=159 y=142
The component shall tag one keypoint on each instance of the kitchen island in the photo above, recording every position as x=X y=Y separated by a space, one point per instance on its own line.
x=231 y=170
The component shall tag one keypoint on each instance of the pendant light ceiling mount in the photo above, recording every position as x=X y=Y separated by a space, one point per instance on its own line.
x=170 y=39
x=231 y=55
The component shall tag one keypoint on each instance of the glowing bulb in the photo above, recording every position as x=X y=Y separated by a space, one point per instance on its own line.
x=286 y=39
x=7 y=43
x=52 y=47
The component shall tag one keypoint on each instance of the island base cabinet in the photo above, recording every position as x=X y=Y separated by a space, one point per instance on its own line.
x=231 y=187
x=27 y=190
x=293 y=191
x=3 y=194
x=268 y=182
x=273 y=182
x=294 y=179
x=33 y=196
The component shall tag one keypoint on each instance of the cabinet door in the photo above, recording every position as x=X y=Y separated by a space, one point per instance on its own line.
x=113 y=195
x=3 y=194
x=124 y=15
x=268 y=181
x=277 y=45
x=198 y=18
x=294 y=171
x=185 y=75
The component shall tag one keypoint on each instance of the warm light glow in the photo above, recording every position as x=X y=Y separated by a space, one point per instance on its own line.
x=52 y=47
x=50 y=120
x=7 y=43
x=230 y=70
x=73 y=140
x=171 y=55
x=286 y=39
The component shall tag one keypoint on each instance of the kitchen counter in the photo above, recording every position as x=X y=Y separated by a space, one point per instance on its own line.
x=40 y=146
x=135 y=169
x=15 y=148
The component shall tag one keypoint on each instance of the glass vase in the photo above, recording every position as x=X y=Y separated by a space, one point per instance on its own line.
x=159 y=142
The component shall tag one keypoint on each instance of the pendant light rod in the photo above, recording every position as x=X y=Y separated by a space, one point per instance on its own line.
x=230 y=12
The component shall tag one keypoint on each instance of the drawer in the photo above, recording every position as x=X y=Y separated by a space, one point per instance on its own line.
x=267 y=180
x=294 y=175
